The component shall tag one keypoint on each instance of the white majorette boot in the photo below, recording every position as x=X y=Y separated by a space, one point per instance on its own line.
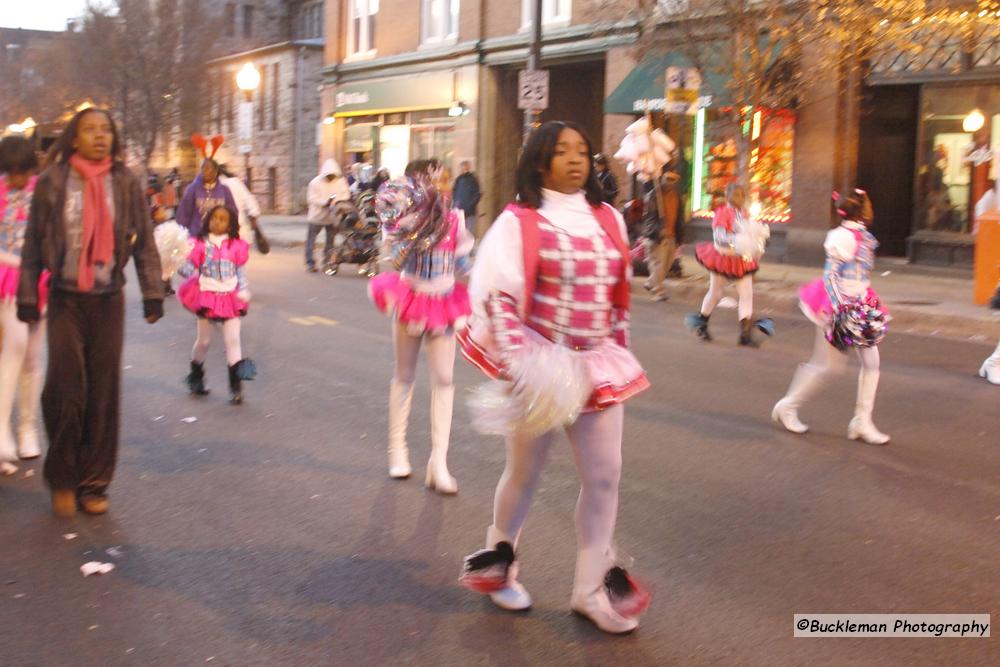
x=9 y=373
x=438 y=478
x=805 y=383
x=29 y=397
x=493 y=571
x=597 y=581
x=400 y=398
x=991 y=367
x=861 y=427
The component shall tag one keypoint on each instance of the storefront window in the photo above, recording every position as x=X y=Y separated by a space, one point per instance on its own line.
x=957 y=160
x=767 y=137
x=432 y=136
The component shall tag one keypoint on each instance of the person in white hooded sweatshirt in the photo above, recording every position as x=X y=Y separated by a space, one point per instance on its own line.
x=325 y=191
x=246 y=204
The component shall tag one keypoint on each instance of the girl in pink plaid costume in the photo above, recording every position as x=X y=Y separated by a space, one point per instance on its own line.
x=430 y=245
x=554 y=270
x=20 y=355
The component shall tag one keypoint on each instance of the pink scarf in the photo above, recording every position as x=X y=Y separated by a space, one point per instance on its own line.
x=98 y=226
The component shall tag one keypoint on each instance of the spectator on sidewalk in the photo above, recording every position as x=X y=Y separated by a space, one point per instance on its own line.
x=246 y=204
x=328 y=189
x=609 y=186
x=466 y=194
x=663 y=217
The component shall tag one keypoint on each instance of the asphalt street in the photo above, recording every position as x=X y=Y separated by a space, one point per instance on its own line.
x=270 y=534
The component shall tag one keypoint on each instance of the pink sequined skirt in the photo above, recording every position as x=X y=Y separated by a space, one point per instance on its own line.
x=210 y=305
x=815 y=302
x=420 y=312
x=10 y=276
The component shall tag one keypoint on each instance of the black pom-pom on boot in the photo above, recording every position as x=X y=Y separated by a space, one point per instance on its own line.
x=195 y=380
x=244 y=369
x=698 y=323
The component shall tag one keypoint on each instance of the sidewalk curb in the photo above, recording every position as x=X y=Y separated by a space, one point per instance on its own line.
x=905 y=319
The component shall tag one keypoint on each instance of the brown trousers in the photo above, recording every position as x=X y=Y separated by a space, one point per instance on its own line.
x=82 y=395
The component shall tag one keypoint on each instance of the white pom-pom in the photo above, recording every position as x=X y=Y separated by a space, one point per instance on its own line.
x=174 y=244
x=551 y=387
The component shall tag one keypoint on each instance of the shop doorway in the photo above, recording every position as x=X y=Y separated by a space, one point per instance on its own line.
x=576 y=95
x=886 y=159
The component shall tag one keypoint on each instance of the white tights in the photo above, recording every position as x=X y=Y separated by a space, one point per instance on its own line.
x=744 y=290
x=596 y=439
x=20 y=365
x=827 y=360
x=230 y=337
x=440 y=356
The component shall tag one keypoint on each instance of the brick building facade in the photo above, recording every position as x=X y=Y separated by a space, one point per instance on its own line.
x=283 y=40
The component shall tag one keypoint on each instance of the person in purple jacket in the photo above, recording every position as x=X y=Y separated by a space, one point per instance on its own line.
x=205 y=193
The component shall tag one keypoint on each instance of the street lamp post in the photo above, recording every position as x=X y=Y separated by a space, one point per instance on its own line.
x=247 y=80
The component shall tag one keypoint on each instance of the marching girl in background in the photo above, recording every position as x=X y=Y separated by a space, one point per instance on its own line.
x=550 y=296
x=216 y=291
x=737 y=245
x=20 y=354
x=429 y=245
x=847 y=313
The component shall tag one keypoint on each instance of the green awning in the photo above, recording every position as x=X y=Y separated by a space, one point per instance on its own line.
x=645 y=86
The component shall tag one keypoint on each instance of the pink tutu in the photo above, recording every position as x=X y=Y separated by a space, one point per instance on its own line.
x=9 y=278
x=730 y=266
x=815 y=302
x=615 y=374
x=210 y=305
x=419 y=312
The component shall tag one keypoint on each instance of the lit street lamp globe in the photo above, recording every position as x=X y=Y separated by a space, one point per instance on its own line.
x=248 y=78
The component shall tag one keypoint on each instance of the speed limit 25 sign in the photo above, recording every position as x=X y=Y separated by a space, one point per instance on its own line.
x=533 y=89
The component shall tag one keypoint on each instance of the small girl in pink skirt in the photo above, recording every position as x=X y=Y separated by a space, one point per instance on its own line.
x=216 y=292
x=847 y=313
x=429 y=245
x=20 y=355
x=725 y=263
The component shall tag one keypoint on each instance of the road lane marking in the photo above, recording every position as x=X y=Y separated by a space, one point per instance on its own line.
x=313 y=320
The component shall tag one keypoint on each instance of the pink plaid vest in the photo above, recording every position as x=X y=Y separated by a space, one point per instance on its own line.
x=575 y=285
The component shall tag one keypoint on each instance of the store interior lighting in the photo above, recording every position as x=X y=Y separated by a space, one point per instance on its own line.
x=974 y=121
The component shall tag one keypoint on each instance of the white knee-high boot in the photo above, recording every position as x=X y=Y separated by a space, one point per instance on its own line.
x=861 y=426
x=29 y=397
x=438 y=478
x=806 y=382
x=991 y=367
x=10 y=371
x=590 y=596
x=400 y=398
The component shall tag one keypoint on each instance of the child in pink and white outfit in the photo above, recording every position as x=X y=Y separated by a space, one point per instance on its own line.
x=20 y=354
x=551 y=278
x=430 y=245
x=217 y=293
x=831 y=303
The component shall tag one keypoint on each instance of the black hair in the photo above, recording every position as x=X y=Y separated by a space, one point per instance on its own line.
x=17 y=155
x=536 y=157
x=225 y=171
x=601 y=159
x=62 y=149
x=854 y=205
x=420 y=167
x=234 y=222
